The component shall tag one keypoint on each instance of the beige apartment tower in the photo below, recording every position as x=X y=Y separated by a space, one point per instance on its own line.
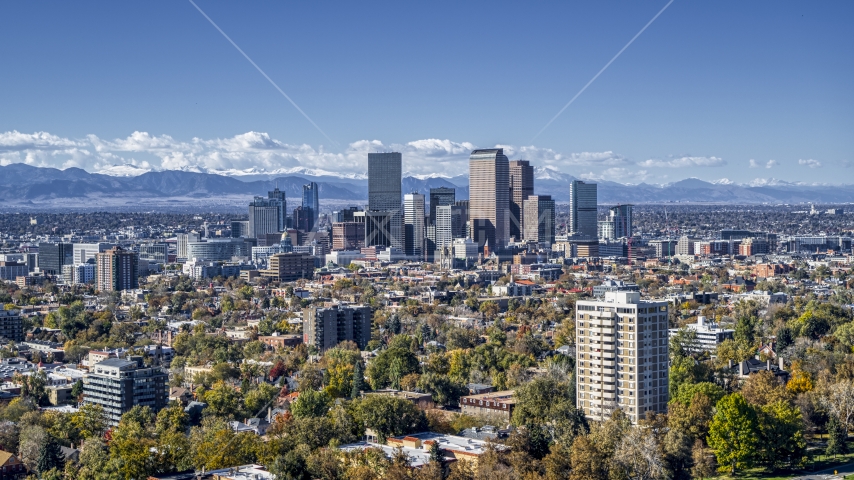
x=622 y=345
x=489 y=198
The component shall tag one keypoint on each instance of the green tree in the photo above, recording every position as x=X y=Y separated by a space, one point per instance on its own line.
x=836 y=441
x=89 y=421
x=311 y=403
x=388 y=416
x=734 y=432
x=391 y=365
x=50 y=456
x=442 y=388
x=358 y=381
x=222 y=400
x=782 y=436
x=77 y=389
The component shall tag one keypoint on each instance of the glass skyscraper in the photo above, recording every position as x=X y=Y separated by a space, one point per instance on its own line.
x=582 y=209
x=384 y=194
x=283 y=207
x=311 y=204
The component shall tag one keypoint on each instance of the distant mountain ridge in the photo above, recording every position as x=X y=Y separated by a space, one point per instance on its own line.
x=25 y=184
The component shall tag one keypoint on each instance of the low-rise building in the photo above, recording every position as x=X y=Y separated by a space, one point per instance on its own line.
x=708 y=334
x=280 y=341
x=498 y=405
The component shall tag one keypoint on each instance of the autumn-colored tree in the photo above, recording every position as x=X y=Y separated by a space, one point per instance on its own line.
x=763 y=388
x=588 y=462
x=800 y=381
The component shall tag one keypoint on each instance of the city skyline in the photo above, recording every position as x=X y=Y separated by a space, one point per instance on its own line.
x=688 y=98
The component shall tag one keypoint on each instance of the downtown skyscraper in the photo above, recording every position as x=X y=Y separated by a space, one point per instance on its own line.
x=384 y=195
x=582 y=209
x=489 y=198
x=521 y=187
x=311 y=205
x=413 y=224
x=283 y=207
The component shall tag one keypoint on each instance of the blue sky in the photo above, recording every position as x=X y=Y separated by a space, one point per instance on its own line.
x=707 y=88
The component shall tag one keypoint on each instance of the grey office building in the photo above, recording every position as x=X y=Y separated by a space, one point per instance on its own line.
x=279 y=195
x=582 y=209
x=440 y=196
x=521 y=187
x=52 y=256
x=264 y=217
x=539 y=213
x=384 y=194
x=117 y=385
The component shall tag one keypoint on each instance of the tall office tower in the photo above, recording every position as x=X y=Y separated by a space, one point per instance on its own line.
x=621 y=215
x=311 y=204
x=618 y=224
x=450 y=224
x=283 y=207
x=622 y=356
x=301 y=219
x=440 y=196
x=539 y=214
x=52 y=256
x=263 y=217
x=582 y=209
x=117 y=270
x=489 y=198
x=378 y=229
x=464 y=204
x=521 y=186
x=384 y=193
x=186 y=238
x=413 y=222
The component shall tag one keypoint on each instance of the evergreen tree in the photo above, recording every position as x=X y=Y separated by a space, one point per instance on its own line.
x=358 y=381
x=435 y=455
x=50 y=456
x=836 y=438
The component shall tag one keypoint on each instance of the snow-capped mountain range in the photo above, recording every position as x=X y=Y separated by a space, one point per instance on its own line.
x=28 y=185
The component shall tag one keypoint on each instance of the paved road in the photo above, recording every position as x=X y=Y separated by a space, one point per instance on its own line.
x=841 y=470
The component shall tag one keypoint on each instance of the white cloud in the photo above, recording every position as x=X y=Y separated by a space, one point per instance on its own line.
x=771 y=163
x=617 y=174
x=810 y=163
x=753 y=163
x=687 y=161
x=258 y=152
x=15 y=141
